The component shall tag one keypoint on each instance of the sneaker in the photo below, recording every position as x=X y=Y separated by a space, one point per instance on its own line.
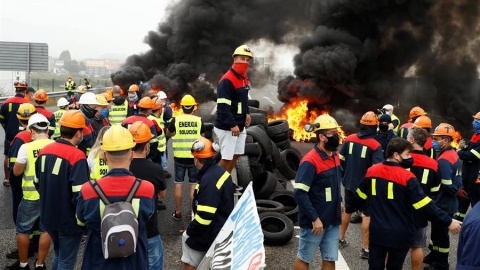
x=161 y=206
x=356 y=218
x=42 y=267
x=364 y=254
x=16 y=266
x=167 y=174
x=6 y=182
x=176 y=216
x=342 y=243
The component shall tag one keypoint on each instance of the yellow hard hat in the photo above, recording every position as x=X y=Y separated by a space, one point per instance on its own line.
x=243 y=50
x=25 y=111
x=102 y=100
x=322 y=122
x=188 y=100
x=81 y=89
x=117 y=138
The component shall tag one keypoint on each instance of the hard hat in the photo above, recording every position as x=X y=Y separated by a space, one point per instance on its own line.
x=416 y=111
x=145 y=103
x=322 y=122
x=37 y=119
x=369 y=119
x=69 y=77
x=161 y=95
x=156 y=105
x=423 y=122
x=243 y=50
x=20 y=84
x=72 y=119
x=88 y=98
x=444 y=129
x=133 y=88
x=108 y=96
x=388 y=107
x=476 y=116
x=188 y=100
x=151 y=92
x=204 y=148
x=62 y=102
x=101 y=100
x=117 y=138
x=25 y=111
x=40 y=95
x=140 y=131
x=81 y=89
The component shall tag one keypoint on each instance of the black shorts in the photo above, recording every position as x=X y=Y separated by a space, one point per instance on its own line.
x=6 y=147
x=354 y=203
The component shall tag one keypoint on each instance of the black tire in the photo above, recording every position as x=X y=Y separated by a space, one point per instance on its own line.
x=277 y=228
x=279 y=137
x=252 y=150
x=217 y=157
x=295 y=150
x=275 y=155
x=284 y=145
x=208 y=126
x=289 y=160
x=256 y=110
x=261 y=137
x=244 y=174
x=261 y=126
x=264 y=185
x=209 y=134
x=254 y=103
x=258 y=119
x=249 y=139
x=256 y=168
x=264 y=206
x=285 y=197
x=277 y=127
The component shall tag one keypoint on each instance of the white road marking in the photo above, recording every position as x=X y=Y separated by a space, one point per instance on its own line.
x=214 y=110
x=249 y=97
x=269 y=100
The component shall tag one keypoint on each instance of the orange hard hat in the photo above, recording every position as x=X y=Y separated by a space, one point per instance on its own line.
x=140 y=131
x=203 y=148
x=69 y=77
x=108 y=96
x=416 y=111
x=20 y=84
x=423 y=122
x=145 y=103
x=40 y=95
x=156 y=106
x=476 y=116
x=444 y=129
x=72 y=119
x=369 y=119
x=133 y=88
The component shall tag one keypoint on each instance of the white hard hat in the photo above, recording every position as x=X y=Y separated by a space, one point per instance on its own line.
x=161 y=95
x=388 y=107
x=62 y=102
x=88 y=98
x=36 y=119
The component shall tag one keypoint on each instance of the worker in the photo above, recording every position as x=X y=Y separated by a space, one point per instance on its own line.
x=158 y=111
x=317 y=192
x=70 y=87
x=82 y=89
x=29 y=208
x=415 y=112
x=116 y=185
x=62 y=105
x=212 y=204
x=100 y=119
x=467 y=251
x=233 y=115
x=41 y=98
x=446 y=197
x=167 y=117
x=394 y=194
x=470 y=155
x=10 y=123
x=425 y=170
x=385 y=132
x=426 y=123
x=359 y=152
x=61 y=170
x=120 y=109
x=144 y=110
x=88 y=107
x=133 y=98
x=97 y=165
x=152 y=172
x=395 y=124
x=29 y=93
x=184 y=129
x=87 y=83
x=109 y=99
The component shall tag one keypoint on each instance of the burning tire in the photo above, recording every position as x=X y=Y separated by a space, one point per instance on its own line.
x=277 y=228
x=264 y=206
x=244 y=175
x=253 y=150
x=254 y=103
x=261 y=137
x=285 y=197
x=258 y=119
x=284 y=145
x=277 y=127
x=289 y=162
x=264 y=185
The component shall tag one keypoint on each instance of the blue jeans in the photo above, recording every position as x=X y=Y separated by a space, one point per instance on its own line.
x=180 y=170
x=66 y=248
x=163 y=160
x=155 y=253
x=28 y=216
x=327 y=242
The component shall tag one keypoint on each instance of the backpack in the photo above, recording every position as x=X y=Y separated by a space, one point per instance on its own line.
x=119 y=226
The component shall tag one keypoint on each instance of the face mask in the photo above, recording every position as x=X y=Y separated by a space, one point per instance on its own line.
x=388 y=112
x=88 y=111
x=383 y=128
x=118 y=100
x=240 y=68
x=69 y=80
x=436 y=145
x=111 y=109
x=406 y=163
x=132 y=97
x=333 y=143
x=476 y=126
x=103 y=113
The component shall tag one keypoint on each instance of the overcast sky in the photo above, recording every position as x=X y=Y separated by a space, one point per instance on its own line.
x=87 y=28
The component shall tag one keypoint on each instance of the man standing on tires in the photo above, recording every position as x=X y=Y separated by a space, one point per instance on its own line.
x=232 y=108
x=317 y=192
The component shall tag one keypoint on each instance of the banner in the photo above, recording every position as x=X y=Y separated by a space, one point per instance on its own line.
x=239 y=245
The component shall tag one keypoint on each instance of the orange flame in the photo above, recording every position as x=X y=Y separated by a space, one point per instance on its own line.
x=176 y=110
x=456 y=139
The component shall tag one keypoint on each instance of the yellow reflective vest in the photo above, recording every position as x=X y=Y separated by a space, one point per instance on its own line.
x=162 y=140
x=187 y=130
x=58 y=114
x=394 y=117
x=100 y=169
x=33 y=149
x=70 y=86
x=118 y=113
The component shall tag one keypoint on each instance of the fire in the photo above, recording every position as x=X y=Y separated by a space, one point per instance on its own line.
x=176 y=111
x=456 y=139
x=298 y=115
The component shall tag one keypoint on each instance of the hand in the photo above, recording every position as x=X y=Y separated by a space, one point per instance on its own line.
x=455 y=226
x=248 y=120
x=317 y=227
x=235 y=131
x=461 y=144
x=390 y=126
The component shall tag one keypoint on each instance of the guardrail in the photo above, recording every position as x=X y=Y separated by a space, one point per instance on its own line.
x=64 y=93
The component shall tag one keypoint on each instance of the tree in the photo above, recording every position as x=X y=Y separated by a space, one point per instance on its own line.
x=72 y=66
x=65 y=56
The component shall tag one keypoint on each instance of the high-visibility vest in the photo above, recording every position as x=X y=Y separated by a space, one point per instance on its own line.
x=28 y=187
x=58 y=114
x=69 y=86
x=118 y=113
x=162 y=140
x=101 y=168
x=187 y=130
x=394 y=117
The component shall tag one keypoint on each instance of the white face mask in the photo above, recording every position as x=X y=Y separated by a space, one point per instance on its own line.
x=69 y=80
x=132 y=97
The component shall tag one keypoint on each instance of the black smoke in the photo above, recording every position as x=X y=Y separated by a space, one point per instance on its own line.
x=127 y=76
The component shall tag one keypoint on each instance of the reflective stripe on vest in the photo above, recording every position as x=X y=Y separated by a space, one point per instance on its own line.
x=394 y=117
x=58 y=114
x=28 y=187
x=162 y=141
x=187 y=130
x=69 y=86
x=118 y=114
x=101 y=168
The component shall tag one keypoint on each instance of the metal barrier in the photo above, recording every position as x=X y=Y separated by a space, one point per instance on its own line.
x=64 y=93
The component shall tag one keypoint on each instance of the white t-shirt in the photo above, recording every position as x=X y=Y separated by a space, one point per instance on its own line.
x=22 y=156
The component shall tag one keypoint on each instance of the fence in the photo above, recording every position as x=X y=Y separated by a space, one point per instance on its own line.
x=55 y=85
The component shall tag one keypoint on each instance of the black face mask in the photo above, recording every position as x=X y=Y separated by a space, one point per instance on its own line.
x=88 y=111
x=383 y=128
x=406 y=163
x=118 y=100
x=332 y=143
